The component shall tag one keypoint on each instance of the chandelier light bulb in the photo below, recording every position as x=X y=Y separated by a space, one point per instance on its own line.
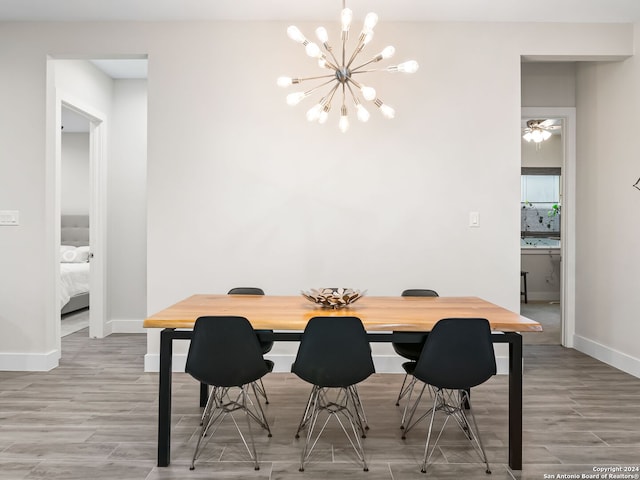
x=370 y=21
x=343 y=124
x=387 y=52
x=295 y=34
x=408 y=67
x=386 y=110
x=284 y=81
x=322 y=34
x=314 y=112
x=324 y=115
x=363 y=113
x=345 y=18
x=313 y=50
x=369 y=93
x=295 y=98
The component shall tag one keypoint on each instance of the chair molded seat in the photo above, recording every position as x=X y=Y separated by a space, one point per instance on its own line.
x=334 y=353
x=457 y=356
x=224 y=353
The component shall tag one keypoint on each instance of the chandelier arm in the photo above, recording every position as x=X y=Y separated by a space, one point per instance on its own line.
x=331 y=93
x=328 y=48
x=331 y=64
x=356 y=100
x=356 y=83
x=309 y=92
x=298 y=80
x=356 y=51
x=374 y=59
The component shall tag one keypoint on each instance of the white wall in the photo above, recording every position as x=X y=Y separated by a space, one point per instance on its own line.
x=74 y=180
x=608 y=258
x=127 y=205
x=242 y=190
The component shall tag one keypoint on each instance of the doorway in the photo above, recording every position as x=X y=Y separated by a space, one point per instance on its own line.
x=75 y=202
x=548 y=251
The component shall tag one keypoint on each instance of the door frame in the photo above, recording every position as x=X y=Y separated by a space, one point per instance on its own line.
x=568 y=218
x=97 y=210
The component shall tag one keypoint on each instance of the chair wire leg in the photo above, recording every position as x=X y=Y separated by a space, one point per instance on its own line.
x=262 y=391
x=305 y=415
x=361 y=417
x=426 y=447
x=248 y=417
x=402 y=392
x=410 y=394
x=313 y=411
x=466 y=403
x=213 y=413
x=260 y=417
x=410 y=423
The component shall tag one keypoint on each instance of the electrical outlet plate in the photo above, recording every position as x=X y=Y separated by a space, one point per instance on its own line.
x=9 y=217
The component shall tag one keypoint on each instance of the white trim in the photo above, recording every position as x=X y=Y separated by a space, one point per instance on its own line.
x=383 y=363
x=29 y=362
x=610 y=356
x=568 y=219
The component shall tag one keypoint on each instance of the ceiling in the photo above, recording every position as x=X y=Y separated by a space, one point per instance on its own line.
x=574 y=11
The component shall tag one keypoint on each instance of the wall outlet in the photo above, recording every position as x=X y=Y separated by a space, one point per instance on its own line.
x=9 y=217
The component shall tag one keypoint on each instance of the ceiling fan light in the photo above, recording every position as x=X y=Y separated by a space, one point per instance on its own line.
x=546 y=135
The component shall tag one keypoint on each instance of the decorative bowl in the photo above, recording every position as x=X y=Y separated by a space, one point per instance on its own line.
x=333 y=297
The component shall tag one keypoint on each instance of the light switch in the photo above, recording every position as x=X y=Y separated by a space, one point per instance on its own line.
x=474 y=219
x=9 y=217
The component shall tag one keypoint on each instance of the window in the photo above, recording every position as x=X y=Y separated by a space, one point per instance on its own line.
x=540 y=202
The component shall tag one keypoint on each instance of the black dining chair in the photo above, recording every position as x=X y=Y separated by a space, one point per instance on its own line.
x=457 y=355
x=410 y=349
x=265 y=344
x=334 y=356
x=225 y=354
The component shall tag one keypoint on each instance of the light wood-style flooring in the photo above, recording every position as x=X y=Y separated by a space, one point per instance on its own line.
x=95 y=418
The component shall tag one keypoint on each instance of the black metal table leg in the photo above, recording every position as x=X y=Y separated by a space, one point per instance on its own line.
x=515 y=400
x=164 y=398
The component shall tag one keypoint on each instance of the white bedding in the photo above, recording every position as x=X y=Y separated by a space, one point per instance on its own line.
x=74 y=280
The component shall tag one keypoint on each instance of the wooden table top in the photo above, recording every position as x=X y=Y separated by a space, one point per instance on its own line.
x=376 y=313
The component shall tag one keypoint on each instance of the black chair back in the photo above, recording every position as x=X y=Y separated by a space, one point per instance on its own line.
x=334 y=352
x=225 y=352
x=419 y=292
x=246 y=291
x=458 y=354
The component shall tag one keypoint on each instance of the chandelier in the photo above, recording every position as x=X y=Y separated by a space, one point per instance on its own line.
x=343 y=69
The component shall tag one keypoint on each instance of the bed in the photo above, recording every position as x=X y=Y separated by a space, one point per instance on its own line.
x=74 y=263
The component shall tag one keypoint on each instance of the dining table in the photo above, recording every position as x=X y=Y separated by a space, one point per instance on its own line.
x=385 y=318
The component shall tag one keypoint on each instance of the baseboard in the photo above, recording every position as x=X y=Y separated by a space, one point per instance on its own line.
x=29 y=362
x=610 y=356
x=127 y=326
x=282 y=363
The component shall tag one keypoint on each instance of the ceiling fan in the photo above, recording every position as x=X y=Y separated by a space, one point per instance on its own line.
x=540 y=130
